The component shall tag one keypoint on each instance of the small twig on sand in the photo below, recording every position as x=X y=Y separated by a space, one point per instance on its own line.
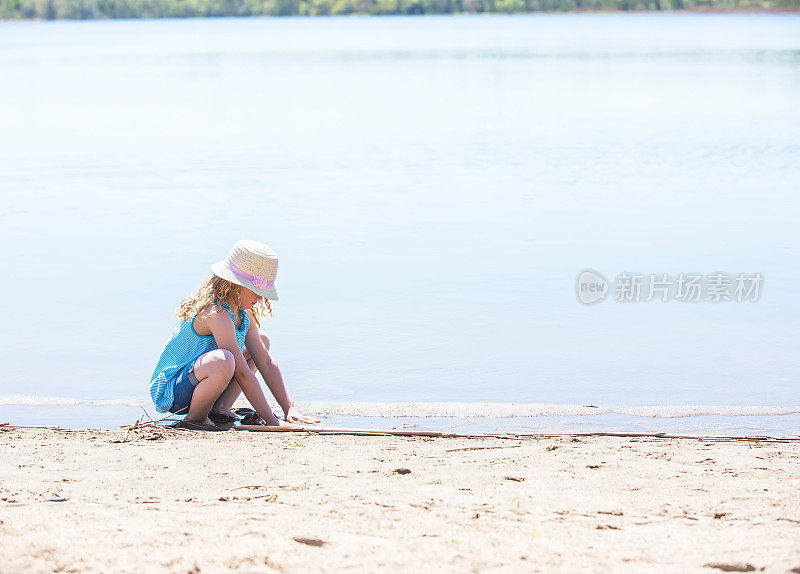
x=150 y=423
x=146 y=413
x=482 y=447
x=272 y=497
x=249 y=486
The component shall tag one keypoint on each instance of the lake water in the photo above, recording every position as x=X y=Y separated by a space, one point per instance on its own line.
x=433 y=186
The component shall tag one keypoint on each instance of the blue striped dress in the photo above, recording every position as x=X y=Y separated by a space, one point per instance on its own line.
x=183 y=348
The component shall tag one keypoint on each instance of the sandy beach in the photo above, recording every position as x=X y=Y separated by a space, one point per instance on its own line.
x=162 y=500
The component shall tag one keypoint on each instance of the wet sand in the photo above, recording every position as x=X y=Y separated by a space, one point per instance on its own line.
x=159 y=500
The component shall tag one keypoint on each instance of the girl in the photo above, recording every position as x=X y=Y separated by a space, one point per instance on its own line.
x=215 y=350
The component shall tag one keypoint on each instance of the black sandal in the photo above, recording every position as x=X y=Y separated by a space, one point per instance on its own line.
x=189 y=425
x=222 y=418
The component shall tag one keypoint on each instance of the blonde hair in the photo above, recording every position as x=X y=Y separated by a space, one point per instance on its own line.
x=218 y=290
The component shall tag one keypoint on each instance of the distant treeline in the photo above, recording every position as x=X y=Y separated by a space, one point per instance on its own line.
x=85 y=9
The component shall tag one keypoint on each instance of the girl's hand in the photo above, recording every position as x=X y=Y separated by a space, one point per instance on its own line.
x=276 y=422
x=294 y=416
x=281 y=423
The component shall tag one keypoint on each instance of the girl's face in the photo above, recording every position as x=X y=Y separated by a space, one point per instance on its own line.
x=247 y=298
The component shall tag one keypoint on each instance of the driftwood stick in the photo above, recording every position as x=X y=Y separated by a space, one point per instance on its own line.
x=720 y=438
x=369 y=432
x=512 y=436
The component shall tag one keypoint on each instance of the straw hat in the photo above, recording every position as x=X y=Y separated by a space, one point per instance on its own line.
x=250 y=264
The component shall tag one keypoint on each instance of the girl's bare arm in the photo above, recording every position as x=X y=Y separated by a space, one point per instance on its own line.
x=267 y=366
x=272 y=375
x=223 y=329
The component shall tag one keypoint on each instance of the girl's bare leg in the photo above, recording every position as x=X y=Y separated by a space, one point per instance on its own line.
x=213 y=371
x=225 y=401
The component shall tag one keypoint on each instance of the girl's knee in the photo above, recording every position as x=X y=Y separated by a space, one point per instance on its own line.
x=264 y=339
x=219 y=362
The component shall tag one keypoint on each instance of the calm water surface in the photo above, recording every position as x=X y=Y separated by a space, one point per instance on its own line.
x=433 y=187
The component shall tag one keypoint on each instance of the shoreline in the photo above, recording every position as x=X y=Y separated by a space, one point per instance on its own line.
x=455 y=418
x=321 y=430
x=275 y=502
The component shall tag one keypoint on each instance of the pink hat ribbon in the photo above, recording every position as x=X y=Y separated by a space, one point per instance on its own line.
x=258 y=281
